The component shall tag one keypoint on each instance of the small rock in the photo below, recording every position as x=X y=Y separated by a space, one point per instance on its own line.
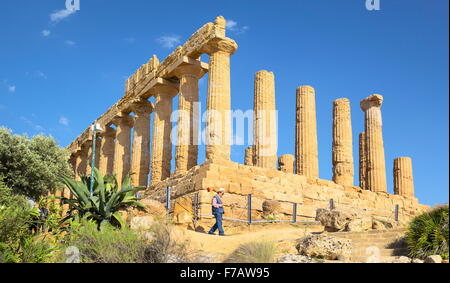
x=433 y=259
x=377 y=225
x=334 y=220
x=291 y=258
x=141 y=222
x=416 y=260
x=402 y=259
x=359 y=225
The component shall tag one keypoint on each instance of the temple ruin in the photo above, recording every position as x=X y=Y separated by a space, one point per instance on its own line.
x=294 y=180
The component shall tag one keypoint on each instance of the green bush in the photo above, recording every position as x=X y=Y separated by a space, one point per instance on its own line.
x=428 y=234
x=32 y=167
x=253 y=252
x=105 y=245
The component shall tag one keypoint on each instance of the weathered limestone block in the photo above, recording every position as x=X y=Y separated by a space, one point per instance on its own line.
x=188 y=120
x=84 y=159
x=106 y=158
x=286 y=163
x=249 y=156
x=271 y=207
x=142 y=222
x=218 y=104
x=265 y=121
x=122 y=149
x=360 y=224
x=162 y=127
x=376 y=167
x=433 y=259
x=362 y=161
x=343 y=171
x=403 y=177
x=325 y=247
x=334 y=220
x=140 y=161
x=306 y=152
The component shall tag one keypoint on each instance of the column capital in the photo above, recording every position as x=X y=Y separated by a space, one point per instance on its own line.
x=189 y=70
x=226 y=45
x=86 y=145
x=374 y=100
x=108 y=132
x=169 y=90
x=341 y=101
x=142 y=108
x=122 y=119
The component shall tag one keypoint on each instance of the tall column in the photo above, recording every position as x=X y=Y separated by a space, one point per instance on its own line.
x=141 y=144
x=122 y=147
x=265 y=121
x=162 y=127
x=88 y=145
x=306 y=153
x=286 y=163
x=249 y=156
x=362 y=161
x=78 y=164
x=106 y=156
x=187 y=138
x=84 y=157
x=218 y=104
x=343 y=170
x=403 y=177
x=376 y=167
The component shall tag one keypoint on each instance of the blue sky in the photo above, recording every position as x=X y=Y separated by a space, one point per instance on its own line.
x=59 y=72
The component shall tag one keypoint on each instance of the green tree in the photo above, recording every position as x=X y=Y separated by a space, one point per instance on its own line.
x=32 y=167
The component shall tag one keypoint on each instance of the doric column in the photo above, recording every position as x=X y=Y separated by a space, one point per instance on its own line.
x=218 y=105
x=376 y=167
x=306 y=153
x=106 y=156
x=78 y=164
x=187 y=137
x=286 y=163
x=122 y=148
x=265 y=121
x=88 y=145
x=362 y=161
x=84 y=157
x=162 y=127
x=249 y=156
x=403 y=177
x=140 y=164
x=343 y=169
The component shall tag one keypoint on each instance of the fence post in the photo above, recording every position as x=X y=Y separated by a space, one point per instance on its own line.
x=332 y=204
x=294 y=212
x=396 y=212
x=196 y=201
x=168 y=191
x=249 y=207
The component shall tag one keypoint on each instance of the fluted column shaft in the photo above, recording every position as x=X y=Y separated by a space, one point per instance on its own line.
x=89 y=157
x=106 y=156
x=84 y=158
x=403 y=177
x=122 y=148
x=249 y=156
x=343 y=169
x=362 y=161
x=187 y=137
x=376 y=167
x=78 y=164
x=218 y=104
x=265 y=121
x=286 y=163
x=306 y=152
x=161 y=142
x=140 y=164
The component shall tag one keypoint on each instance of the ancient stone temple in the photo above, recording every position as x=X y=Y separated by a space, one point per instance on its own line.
x=125 y=145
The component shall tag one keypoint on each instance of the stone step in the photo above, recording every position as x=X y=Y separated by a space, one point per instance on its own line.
x=368 y=236
x=382 y=252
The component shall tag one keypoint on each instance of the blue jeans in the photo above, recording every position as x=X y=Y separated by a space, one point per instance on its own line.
x=218 y=224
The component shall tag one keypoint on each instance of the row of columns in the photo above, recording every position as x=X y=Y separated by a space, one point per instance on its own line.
x=372 y=170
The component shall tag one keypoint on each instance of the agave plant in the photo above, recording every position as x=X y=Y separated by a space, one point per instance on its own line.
x=106 y=201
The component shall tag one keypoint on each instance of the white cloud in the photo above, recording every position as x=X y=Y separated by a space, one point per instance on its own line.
x=12 y=88
x=234 y=27
x=70 y=42
x=169 y=41
x=64 y=121
x=45 y=33
x=40 y=74
x=61 y=14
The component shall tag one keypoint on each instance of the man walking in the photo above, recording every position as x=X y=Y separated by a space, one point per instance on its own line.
x=217 y=211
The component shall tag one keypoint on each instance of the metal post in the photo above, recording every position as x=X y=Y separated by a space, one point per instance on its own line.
x=396 y=212
x=168 y=191
x=332 y=204
x=196 y=201
x=249 y=207
x=294 y=212
x=94 y=137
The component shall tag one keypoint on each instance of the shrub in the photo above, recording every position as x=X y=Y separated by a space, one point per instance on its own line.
x=428 y=234
x=32 y=167
x=164 y=248
x=253 y=252
x=105 y=245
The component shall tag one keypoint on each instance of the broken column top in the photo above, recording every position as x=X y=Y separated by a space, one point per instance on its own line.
x=374 y=100
x=341 y=101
